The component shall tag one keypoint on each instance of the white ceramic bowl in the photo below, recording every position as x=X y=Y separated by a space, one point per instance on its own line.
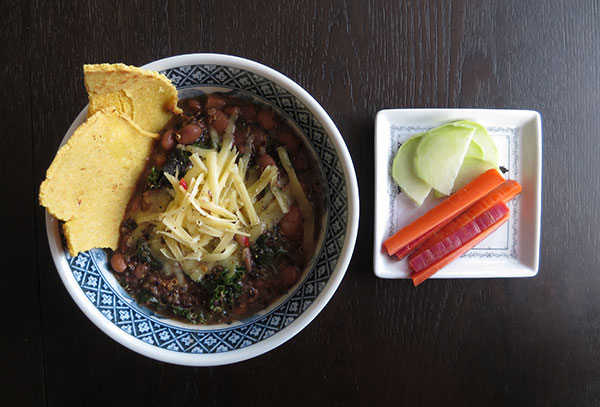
x=96 y=292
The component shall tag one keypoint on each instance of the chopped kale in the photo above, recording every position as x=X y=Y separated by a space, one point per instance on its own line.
x=146 y=298
x=204 y=142
x=241 y=123
x=130 y=225
x=123 y=281
x=188 y=314
x=143 y=252
x=155 y=178
x=177 y=163
x=223 y=286
x=267 y=248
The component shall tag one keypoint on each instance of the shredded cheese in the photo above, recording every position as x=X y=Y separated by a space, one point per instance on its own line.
x=221 y=198
x=214 y=205
x=301 y=198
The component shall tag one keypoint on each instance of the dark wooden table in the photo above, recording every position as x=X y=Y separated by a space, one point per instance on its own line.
x=496 y=342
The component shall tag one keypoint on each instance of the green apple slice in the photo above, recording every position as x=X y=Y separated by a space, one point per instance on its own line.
x=403 y=172
x=483 y=139
x=440 y=154
x=470 y=169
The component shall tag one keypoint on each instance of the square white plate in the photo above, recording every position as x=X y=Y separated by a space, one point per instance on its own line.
x=511 y=251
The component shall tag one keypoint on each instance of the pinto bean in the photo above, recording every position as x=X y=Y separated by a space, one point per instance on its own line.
x=194 y=105
x=259 y=138
x=219 y=120
x=264 y=161
x=239 y=137
x=189 y=134
x=291 y=225
x=214 y=102
x=118 y=262
x=289 y=275
x=231 y=110
x=266 y=119
x=248 y=112
x=290 y=141
x=168 y=140
x=140 y=271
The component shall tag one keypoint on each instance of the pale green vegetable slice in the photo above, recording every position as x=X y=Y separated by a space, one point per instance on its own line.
x=470 y=169
x=403 y=172
x=483 y=139
x=437 y=194
x=474 y=149
x=440 y=154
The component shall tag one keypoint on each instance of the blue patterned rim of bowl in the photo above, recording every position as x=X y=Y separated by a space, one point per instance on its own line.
x=90 y=269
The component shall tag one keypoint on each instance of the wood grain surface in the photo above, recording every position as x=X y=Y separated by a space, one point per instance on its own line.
x=493 y=342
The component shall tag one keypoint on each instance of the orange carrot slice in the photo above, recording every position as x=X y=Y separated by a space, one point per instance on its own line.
x=452 y=206
x=422 y=275
x=502 y=193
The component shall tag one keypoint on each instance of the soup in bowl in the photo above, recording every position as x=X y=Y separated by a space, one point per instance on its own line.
x=198 y=283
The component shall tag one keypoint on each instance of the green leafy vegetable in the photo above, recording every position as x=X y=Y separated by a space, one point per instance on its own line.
x=143 y=252
x=177 y=164
x=188 y=314
x=205 y=143
x=226 y=287
x=267 y=248
x=178 y=161
x=146 y=298
x=154 y=178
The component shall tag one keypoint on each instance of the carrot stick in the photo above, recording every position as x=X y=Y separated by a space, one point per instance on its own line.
x=456 y=203
x=502 y=193
x=424 y=274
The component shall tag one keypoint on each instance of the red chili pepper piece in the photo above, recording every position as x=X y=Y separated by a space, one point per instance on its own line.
x=183 y=184
x=242 y=240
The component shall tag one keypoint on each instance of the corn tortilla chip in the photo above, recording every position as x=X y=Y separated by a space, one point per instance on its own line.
x=93 y=177
x=146 y=97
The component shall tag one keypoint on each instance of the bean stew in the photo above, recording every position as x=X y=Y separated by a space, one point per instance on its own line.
x=249 y=268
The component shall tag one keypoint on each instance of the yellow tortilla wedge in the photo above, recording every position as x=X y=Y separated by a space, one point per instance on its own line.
x=146 y=97
x=93 y=176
